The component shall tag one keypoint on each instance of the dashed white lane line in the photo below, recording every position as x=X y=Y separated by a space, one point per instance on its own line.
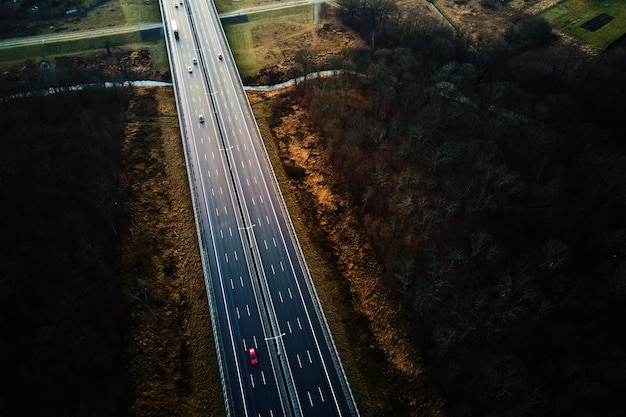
x=299 y=323
x=310 y=399
x=217 y=212
x=273 y=271
x=252 y=381
x=226 y=257
x=289 y=326
x=319 y=389
x=253 y=202
x=248 y=181
x=241 y=280
x=256 y=345
x=248 y=309
x=299 y=361
x=222 y=233
x=274 y=240
x=236 y=258
x=261 y=199
x=263 y=378
x=267 y=219
x=238 y=315
x=232 y=284
x=212 y=192
x=265 y=243
x=280 y=295
x=255 y=181
x=282 y=267
x=205 y=157
x=290 y=294
x=309 y=355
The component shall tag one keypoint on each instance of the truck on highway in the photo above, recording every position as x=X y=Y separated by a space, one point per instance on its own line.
x=174 y=29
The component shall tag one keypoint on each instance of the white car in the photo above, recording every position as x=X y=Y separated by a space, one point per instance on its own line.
x=189 y=69
x=195 y=61
x=201 y=118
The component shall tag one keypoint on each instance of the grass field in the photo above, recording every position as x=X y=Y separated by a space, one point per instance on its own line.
x=255 y=43
x=569 y=15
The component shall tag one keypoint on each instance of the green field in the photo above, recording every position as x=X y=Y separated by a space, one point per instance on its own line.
x=254 y=43
x=570 y=14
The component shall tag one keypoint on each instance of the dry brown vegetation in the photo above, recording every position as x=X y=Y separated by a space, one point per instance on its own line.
x=170 y=351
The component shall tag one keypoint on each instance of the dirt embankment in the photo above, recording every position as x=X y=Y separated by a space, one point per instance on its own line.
x=170 y=350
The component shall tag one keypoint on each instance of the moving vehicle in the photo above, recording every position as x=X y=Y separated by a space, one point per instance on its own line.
x=189 y=69
x=220 y=56
x=174 y=29
x=253 y=358
x=195 y=61
x=201 y=119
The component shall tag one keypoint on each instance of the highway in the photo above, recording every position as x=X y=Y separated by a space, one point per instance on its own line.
x=260 y=293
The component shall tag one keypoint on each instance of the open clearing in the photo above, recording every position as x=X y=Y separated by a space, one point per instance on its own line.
x=261 y=41
x=569 y=15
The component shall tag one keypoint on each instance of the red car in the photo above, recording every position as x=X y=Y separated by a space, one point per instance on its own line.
x=220 y=56
x=253 y=359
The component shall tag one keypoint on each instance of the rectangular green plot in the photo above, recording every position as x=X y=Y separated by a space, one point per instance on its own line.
x=569 y=15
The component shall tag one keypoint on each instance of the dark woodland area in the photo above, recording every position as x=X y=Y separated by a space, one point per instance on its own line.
x=491 y=181
x=62 y=312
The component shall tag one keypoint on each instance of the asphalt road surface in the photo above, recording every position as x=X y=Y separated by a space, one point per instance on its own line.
x=260 y=291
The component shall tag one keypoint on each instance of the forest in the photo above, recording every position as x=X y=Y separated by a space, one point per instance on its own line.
x=491 y=182
x=63 y=312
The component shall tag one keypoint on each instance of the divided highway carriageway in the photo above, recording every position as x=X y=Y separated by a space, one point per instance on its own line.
x=276 y=354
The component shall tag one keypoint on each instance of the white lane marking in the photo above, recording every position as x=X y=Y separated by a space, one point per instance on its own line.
x=299 y=361
x=212 y=192
x=205 y=157
x=221 y=191
x=236 y=256
x=238 y=317
x=226 y=256
x=319 y=389
x=253 y=202
x=242 y=165
x=261 y=199
x=213 y=155
x=249 y=162
x=267 y=219
x=244 y=146
x=274 y=240
x=222 y=233
x=273 y=272
x=202 y=141
x=289 y=326
x=225 y=210
x=282 y=267
x=258 y=221
x=248 y=309
x=248 y=181
x=256 y=345
x=265 y=243
x=245 y=345
x=271 y=413
x=252 y=381
x=232 y=284
x=208 y=172
x=241 y=280
x=255 y=181
x=299 y=324
x=280 y=295
x=309 y=395
x=309 y=355
x=289 y=291
x=217 y=212
x=263 y=378
x=230 y=230
x=217 y=173
x=238 y=144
